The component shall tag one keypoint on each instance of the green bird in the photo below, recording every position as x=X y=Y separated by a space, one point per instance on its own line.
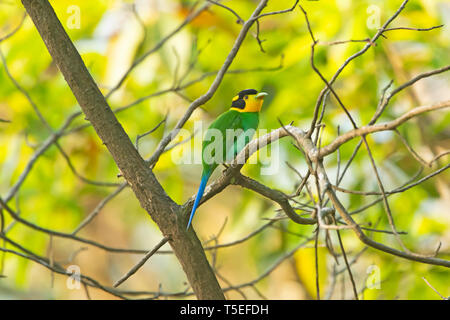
x=228 y=135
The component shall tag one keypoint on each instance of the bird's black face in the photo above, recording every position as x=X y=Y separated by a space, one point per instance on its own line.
x=248 y=100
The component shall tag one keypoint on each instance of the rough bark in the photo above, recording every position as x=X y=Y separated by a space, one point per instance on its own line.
x=152 y=197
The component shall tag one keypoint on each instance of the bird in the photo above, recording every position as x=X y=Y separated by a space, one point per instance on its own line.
x=228 y=135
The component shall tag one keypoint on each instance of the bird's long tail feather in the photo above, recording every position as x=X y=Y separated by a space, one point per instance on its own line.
x=201 y=190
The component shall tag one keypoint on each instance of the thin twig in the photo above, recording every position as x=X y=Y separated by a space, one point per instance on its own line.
x=434 y=289
x=141 y=262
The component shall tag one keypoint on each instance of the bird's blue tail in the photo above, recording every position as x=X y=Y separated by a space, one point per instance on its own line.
x=201 y=189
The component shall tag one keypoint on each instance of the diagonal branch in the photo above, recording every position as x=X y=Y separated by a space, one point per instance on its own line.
x=330 y=148
x=273 y=195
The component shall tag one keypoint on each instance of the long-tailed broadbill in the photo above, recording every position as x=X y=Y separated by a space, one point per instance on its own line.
x=228 y=135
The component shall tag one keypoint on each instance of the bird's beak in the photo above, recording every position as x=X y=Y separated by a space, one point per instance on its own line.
x=261 y=95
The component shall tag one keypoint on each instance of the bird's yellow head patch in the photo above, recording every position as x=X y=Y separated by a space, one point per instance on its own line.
x=248 y=100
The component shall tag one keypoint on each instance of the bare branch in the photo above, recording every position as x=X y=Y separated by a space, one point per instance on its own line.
x=279 y=11
x=157 y=46
x=99 y=207
x=348 y=60
x=330 y=148
x=141 y=262
x=437 y=292
x=414 y=29
x=14 y=31
x=274 y=195
x=239 y=19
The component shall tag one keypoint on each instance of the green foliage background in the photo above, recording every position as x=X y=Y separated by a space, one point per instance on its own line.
x=109 y=39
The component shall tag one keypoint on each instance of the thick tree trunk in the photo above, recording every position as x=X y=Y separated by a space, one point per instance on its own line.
x=152 y=197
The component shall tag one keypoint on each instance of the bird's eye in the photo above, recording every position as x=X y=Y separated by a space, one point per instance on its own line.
x=246 y=97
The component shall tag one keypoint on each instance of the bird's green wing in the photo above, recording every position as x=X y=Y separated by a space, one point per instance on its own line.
x=249 y=124
x=227 y=136
x=215 y=143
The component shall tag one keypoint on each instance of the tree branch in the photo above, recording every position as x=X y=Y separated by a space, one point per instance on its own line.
x=330 y=148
